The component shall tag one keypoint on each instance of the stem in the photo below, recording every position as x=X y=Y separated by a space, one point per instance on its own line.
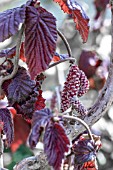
x=16 y=60
x=66 y=43
x=61 y=61
x=82 y=122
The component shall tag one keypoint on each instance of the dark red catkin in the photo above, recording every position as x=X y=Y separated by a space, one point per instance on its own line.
x=76 y=85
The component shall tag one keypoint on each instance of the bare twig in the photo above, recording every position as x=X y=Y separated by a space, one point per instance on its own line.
x=66 y=43
x=82 y=122
x=61 y=61
x=16 y=59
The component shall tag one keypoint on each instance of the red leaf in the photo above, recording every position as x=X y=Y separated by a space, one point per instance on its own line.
x=56 y=58
x=79 y=16
x=20 y=136
x=91 y=165
x=55 y=144
x=40 y=103
x=22 y=55
x=40 y=39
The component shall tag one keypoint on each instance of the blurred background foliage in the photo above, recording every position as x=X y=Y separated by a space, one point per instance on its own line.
x=95 y=65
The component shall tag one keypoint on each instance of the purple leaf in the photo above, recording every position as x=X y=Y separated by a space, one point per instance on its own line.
x=20 y=87
x=8 y=52
x=55 y=144
x=10 y=21
x=40 y=39
x=5 y=117
x=40 y=119
x=34 y=136
x=85 y=150
x=27 y=107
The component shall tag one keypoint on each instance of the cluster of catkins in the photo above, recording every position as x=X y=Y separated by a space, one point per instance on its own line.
x=76 y=85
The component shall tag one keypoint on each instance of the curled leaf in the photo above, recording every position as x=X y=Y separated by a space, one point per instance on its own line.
x=10 y=21
x=40 y=39
x=6 y=118
x=80 y=18
x=39 y=121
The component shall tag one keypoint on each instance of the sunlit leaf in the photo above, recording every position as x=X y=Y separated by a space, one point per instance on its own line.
x=80 y=18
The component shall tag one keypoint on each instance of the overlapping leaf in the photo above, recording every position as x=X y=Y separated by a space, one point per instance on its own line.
x=78 y=14
x=40 y=39
x=20 y=87
x=55 y=144
x=5 y=117
x=40 y=119
x=10 y=21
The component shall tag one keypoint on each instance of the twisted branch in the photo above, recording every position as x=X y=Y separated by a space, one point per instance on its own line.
x=82 y=123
